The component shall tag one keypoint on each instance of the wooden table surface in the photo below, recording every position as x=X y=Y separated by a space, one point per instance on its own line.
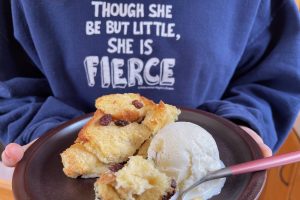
x=5 y=182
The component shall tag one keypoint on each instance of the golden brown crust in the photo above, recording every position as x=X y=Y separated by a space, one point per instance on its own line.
x=92 y=122
x=114 y=144
x=77 y=161
x=160 y=115
x=120 y=106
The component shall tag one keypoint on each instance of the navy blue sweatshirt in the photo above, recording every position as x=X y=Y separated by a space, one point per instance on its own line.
x=237 y=59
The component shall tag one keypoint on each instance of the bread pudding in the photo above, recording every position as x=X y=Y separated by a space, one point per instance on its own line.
x=139 y=179
x=120 y=126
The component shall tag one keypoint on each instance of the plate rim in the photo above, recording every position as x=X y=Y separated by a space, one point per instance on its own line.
x=258 y=179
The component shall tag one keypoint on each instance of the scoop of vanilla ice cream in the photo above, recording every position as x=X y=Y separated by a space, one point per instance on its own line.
x=187 y=152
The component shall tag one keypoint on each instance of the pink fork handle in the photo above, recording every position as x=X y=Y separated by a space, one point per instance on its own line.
x=265 y=163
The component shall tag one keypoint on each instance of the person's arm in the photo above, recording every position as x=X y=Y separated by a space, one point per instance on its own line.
x=264 y=93
x=27 y=107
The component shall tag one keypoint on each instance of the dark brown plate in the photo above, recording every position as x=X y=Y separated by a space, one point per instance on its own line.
x=39 y=175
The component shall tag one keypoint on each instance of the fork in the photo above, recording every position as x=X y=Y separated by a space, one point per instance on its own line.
x=247 y=167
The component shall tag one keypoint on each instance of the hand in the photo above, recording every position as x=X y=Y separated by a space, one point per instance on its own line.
x=13 y=153
x=267 y=152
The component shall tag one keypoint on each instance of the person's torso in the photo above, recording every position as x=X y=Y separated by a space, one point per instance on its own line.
x=182 y=52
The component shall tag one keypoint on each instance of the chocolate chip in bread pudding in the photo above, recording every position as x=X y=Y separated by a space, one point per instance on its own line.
x=137 y=104
x=105 y=119
x=121 y=122
x=168 y=196
x=116 y=167
x=139 y=121
x=171 y=192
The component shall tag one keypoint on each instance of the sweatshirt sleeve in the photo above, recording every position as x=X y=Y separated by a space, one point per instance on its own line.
x=264 y=92
x=27 y=106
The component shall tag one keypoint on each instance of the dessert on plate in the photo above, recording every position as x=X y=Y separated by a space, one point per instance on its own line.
x=139 y=152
